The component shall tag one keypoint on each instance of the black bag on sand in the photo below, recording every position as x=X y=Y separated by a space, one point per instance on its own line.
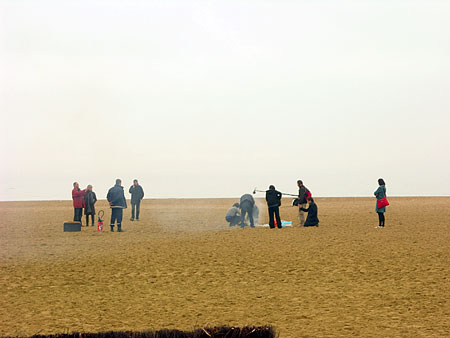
x=72 y=226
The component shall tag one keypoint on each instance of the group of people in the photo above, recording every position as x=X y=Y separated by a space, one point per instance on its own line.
x=238 y=214
x=86 y=199
x=247 y=206
x=273 y=198
x=305 y=203
x=83 y=199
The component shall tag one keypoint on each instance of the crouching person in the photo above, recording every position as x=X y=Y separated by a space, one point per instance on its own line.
x=233 y=215
x=117 y=202
x=312 y=219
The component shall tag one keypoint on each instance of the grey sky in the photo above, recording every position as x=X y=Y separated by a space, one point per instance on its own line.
x=213 y=98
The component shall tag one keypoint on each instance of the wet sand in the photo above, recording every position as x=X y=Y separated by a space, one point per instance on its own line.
x=181 y=267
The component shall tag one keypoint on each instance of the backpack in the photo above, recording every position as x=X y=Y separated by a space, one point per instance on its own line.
x=307 y=193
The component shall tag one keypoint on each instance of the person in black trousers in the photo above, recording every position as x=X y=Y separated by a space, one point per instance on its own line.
x=137 y=194
x=273 y=198
x=312 y=219
x=117 y=203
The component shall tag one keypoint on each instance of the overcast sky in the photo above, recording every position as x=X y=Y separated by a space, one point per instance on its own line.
x=213 y=98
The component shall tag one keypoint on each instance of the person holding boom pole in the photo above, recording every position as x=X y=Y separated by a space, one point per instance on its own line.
x=273 y=198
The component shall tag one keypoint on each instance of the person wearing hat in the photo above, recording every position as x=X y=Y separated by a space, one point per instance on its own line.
x=137 y=194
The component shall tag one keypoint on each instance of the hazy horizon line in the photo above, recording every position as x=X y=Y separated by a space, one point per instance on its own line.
x=215 y=198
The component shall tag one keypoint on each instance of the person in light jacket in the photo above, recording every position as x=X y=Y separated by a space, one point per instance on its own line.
x=379 y=194
x=233 y=215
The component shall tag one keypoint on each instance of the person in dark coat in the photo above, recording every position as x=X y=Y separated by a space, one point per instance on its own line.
x=78 y=201
x=137 y=194
x=273 y=198
x=312 y=219
x=247 y=203
x=233 y=215
x=89 y=204
x=379 y=194
x=303 y=194
x=117 y=202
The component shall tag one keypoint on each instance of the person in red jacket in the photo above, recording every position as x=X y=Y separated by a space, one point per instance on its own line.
x=78 y=201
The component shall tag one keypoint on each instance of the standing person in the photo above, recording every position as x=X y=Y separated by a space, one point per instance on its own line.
x=247 y=203
x=89 y=204
x=379 y=194
x=78 y=201
x=137 y=194
x=117 y=202
x=273 y=198
x=303 y=194
x=233 y=215
x=312 y=219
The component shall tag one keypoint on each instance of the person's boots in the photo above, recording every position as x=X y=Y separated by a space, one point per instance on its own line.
x=119 y=228
x=112 y=228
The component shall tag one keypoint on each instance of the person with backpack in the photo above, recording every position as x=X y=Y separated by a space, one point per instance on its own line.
x=303 y=194
x=273 y=198
x=312 y=219
x=382 y=202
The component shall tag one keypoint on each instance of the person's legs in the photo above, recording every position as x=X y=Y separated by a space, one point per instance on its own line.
x=93 y=219
x=301 y=214
x=77 y=215
x=243 y=212
x=113 y=218
x=250 y=216
x=133 y=206
x=230 y=220
x=380 y=219
x=87 y=220
x=138 y=209
x=119 y=219
x=271 y=220
x=277 y=215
